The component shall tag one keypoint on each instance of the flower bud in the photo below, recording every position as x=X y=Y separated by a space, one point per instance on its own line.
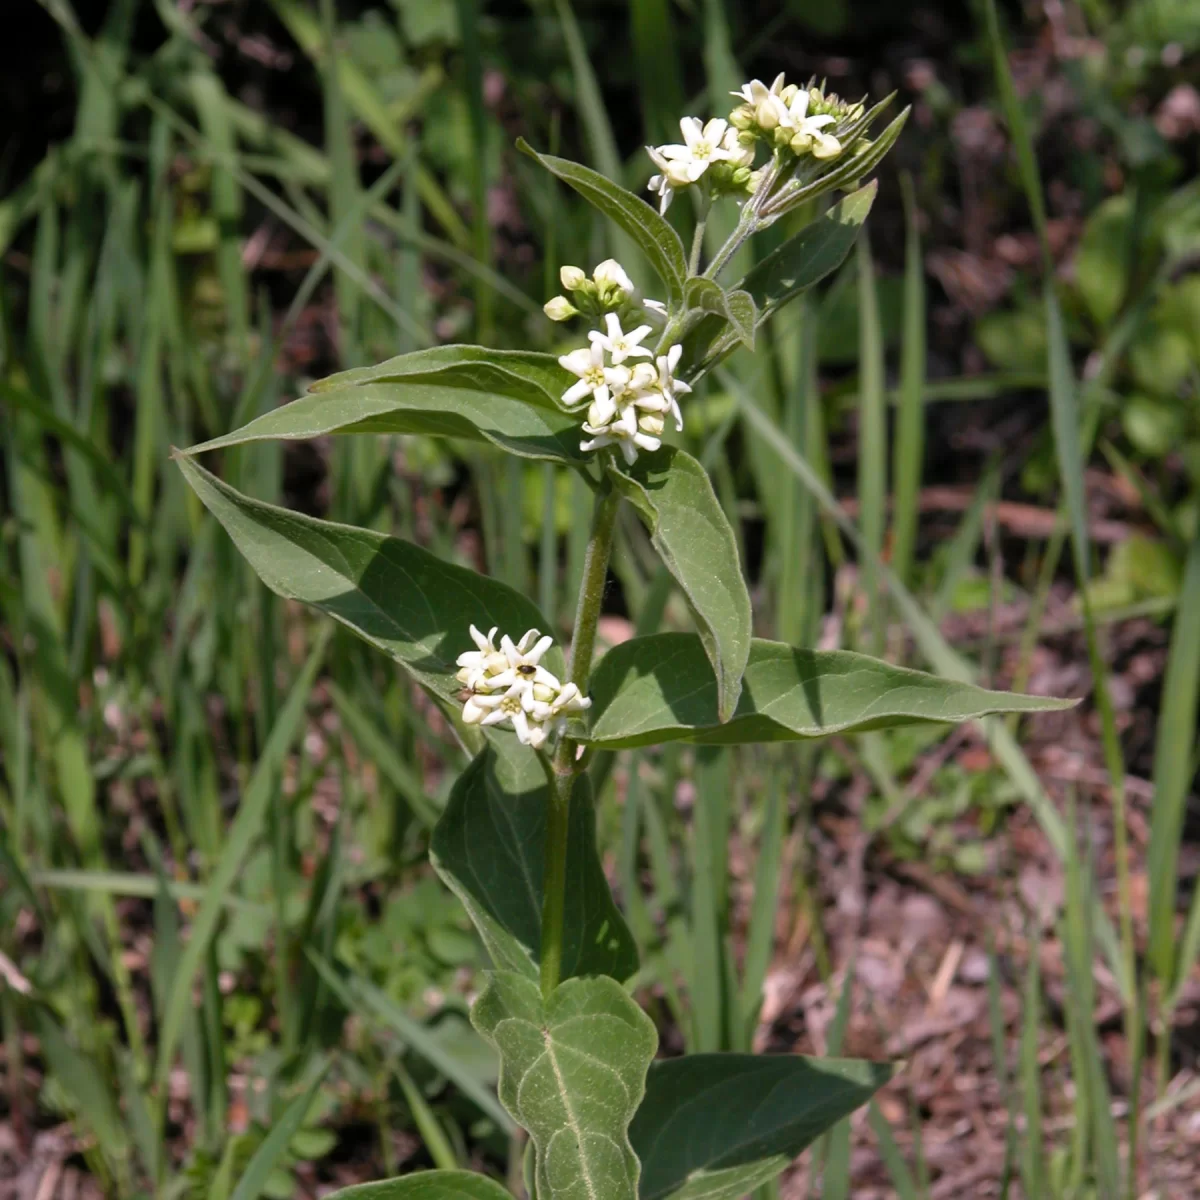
x=742 y=118
x=789 y=93
x=741 y=177
x=766 y=115
x=651 y=423
x=612 y=273
x=559 y=309
x=572 y=277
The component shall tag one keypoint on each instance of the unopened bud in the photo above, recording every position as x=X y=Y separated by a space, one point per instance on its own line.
x=559 y=309
x=612 y=273
x=572 y=277
x=740 y=176
x=766 y=116
x=651 y=423
x=789 y=93
x=742 y=117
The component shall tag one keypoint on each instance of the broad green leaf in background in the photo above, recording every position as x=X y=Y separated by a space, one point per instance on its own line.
x=656 y=238
x=715 y=1126
x=509 y=399
x=427 y=1185
x=662 y=688
x=674 y=497
x=488 y=849
x=403 y=600
x=572 y=1072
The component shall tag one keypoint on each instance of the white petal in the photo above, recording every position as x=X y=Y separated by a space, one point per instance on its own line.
x=537 y=736
x=521 y=726
x=597 y=443
x=812 y=123
x=826 y=146
x=613 y=324
x=527 y=639
x=714 y=131
x=470 y=658
x=629 y=450
x=576 y=392
x=696 y=169
x=510 y=651
x=655 y=306
x=691 y=129
x=540 y=648
x=472 y=712
x=578 y=362
x=673 y=356
x=646 y=441
x=496 y=717
x=545 y=678
x=675 y=153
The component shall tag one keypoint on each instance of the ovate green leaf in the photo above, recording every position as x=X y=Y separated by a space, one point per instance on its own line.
x=674 y=497
x=508 y=398
x=572 y=1072
x=662 y=688
x=427 y=1185
x=488 y=848
x=400 y=598
x=655 y=237
x=716 y=1126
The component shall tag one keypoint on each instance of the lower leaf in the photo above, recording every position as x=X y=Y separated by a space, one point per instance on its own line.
x=718 y=1125
x=572 y=1072
x=488 y=848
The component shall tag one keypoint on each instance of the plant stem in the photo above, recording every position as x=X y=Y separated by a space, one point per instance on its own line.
x=566 y=766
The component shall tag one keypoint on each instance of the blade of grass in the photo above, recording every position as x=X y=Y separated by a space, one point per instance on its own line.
x=909 y=451
x=246 y=827
x=266 y=1158
x=872 y=443
x=760 y=933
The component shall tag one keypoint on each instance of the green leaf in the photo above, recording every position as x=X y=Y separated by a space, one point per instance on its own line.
x=675 y=499
x=654 y=236
x=508 y=398
x=816 y=251
x=718 y=1125
x=572 y=1072
x=736 y=309
x=427 y=1185
x=400 y=598
x=662 y=688
x=488 y=849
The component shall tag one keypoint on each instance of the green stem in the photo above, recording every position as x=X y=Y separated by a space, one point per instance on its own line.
x=566 y=764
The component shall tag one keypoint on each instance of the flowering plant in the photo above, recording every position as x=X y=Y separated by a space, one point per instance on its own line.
x=516 y=840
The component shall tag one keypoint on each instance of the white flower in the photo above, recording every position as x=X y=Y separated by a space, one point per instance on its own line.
x=524 y=661
x=557 y=709
x=765 y=102
x=736 y=154
x=673 y=175
x=617 y=343
x=670 y=387
x=624 y=432
x=807 y=132
x=611 y=272
x=595 y=379
x=702 y=146
x=508 y=708
x=475 y=666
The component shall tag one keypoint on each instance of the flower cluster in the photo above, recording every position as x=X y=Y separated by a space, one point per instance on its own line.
x=508 y=686
x=628 y=390
x=788 y=118
x=609 y=290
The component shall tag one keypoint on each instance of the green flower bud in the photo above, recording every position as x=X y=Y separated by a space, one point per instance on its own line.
x=742 y=118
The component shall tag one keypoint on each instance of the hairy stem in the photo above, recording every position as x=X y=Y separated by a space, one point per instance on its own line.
x=566 y=765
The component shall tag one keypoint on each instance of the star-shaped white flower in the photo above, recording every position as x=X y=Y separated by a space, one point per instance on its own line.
x=508 y=708
x=595 y=379
x=524 y=661
x=808 y=132
x=617 y=343
x=475 y=666
x=566 y=701
x=766 y=102
x=623 y=432
x=671 y=177
x=702 y=146
x=670 y=387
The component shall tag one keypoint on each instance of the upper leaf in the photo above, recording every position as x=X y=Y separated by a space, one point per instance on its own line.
x=817 y=250
x=802 y=261
x=427 y=1185
x=398 y=597
x=662 y=688
x=488 y=848
x=737 y=308
x=674 y=497
x=572 y=1072
x=718 y=1125
x=654 y=235
x=509 y=398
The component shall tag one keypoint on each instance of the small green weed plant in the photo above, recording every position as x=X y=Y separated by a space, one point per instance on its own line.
x=516 y=842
